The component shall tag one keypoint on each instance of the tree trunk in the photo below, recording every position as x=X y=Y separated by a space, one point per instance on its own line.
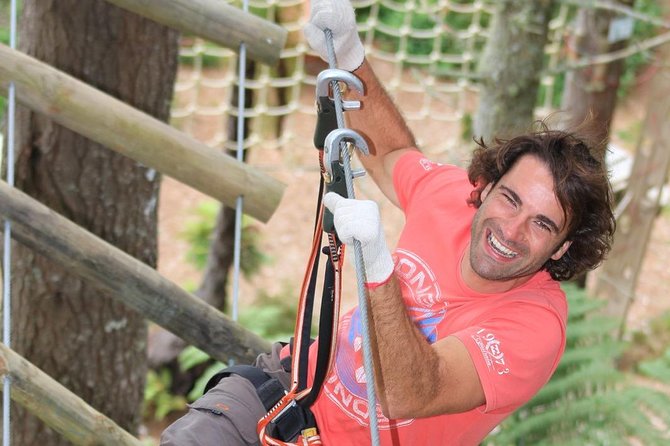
x=94 y=346
x=591 y=93
x=640 y=205
x=511 y=66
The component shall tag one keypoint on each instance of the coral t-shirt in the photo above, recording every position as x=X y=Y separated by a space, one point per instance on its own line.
x=515 y=339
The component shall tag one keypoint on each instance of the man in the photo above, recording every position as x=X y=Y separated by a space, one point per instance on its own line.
x=467 y=320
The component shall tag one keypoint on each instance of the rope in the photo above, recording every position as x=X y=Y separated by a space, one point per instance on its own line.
x=239 y=203
x=358 y=259
x=7 y=256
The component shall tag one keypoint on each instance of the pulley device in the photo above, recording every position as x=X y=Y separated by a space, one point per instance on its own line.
x=333 y=142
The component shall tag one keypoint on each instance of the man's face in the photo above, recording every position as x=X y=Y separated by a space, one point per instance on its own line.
x=518 y=227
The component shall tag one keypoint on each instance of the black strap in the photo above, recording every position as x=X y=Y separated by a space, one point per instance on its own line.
x=325 y=334
x=303 y=349
x=326 y=120
x=253 y=374
x=288 y=425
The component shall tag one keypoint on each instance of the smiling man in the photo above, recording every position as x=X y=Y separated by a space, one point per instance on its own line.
x=467 y=318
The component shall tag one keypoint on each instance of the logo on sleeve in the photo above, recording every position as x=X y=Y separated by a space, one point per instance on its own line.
x=428 y=164
x=491 y=349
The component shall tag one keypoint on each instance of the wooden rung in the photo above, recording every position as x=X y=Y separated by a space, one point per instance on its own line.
x=127 y=279
x=57 y=407
x=130 y=132
x=216 y=21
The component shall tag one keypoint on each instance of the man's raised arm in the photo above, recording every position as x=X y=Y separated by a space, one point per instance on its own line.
x=379 y=120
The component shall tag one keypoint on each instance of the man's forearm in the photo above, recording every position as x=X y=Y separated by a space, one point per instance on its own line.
x=405 y=363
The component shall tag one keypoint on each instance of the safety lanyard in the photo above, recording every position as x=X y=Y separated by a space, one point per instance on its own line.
x=332 y=140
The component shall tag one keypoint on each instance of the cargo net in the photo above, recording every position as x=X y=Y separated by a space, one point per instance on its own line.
x=425 y=51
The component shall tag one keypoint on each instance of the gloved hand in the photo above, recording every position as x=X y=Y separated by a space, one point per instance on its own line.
x=339 y=17
x=360 y=220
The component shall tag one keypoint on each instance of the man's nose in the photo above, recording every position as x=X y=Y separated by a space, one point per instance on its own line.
x=514 y=229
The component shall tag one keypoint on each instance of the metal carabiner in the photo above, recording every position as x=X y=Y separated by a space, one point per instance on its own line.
x=334 y=174
x=325 y=106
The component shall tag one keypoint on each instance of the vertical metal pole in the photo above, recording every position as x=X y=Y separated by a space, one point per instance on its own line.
x=241 y=95
x=7 y=253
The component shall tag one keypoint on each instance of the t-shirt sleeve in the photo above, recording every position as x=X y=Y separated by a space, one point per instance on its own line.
x=414 y=174
x=515 y=351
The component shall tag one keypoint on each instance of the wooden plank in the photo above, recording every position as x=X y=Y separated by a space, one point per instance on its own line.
x=60 y=409
x=127 y=279
x=128 y=131
x=216 y=21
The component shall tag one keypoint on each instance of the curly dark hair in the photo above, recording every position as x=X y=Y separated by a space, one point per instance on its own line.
x=581 y=184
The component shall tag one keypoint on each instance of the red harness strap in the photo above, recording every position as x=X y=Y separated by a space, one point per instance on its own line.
x=299 y=392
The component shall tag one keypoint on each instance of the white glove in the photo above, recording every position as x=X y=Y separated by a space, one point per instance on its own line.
x=339 y=17
x=360 y=220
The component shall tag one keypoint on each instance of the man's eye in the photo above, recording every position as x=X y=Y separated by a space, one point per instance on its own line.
x=509 y=199
x=544 y=226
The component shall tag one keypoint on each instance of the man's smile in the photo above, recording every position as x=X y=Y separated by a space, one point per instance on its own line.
x=499 y=248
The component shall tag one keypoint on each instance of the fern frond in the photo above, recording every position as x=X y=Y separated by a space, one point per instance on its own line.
x=579 y=305
x=639 y=426
x=579 y=355
x=565 y=418
x=580 y=382
x=657 y=368
x=592 y=327
x=656 y=405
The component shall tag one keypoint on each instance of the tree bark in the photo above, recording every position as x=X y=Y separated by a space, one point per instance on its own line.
x=94 y=346
x=511 y=64
x=639 y=207
x=590 y=94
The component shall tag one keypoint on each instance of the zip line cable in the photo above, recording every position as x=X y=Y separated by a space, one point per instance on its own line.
x=358 y=259
x=7 y=246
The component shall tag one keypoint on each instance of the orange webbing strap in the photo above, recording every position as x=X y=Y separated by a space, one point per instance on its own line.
x=300 y=393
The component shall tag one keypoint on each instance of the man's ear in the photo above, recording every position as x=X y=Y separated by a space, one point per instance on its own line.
x=561 y=250
x=486 y=191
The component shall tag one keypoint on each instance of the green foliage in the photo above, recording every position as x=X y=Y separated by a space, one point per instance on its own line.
x=158 y=401
x=191 y=357
x=199 y=231
x=654 y=345
x=658 y=368
x=588 y=400
x=272 y=317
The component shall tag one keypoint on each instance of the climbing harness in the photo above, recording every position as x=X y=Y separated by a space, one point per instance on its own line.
x=333 y=142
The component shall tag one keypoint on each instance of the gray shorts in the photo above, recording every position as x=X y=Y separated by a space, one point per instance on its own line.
x=226 y=415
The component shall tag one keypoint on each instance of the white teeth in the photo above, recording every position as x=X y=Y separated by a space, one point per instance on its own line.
x=506 y=252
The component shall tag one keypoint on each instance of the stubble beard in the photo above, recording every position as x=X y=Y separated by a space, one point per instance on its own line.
x=489 y=268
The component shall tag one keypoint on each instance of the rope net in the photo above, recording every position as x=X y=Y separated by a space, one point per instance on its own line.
x=425 y=51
